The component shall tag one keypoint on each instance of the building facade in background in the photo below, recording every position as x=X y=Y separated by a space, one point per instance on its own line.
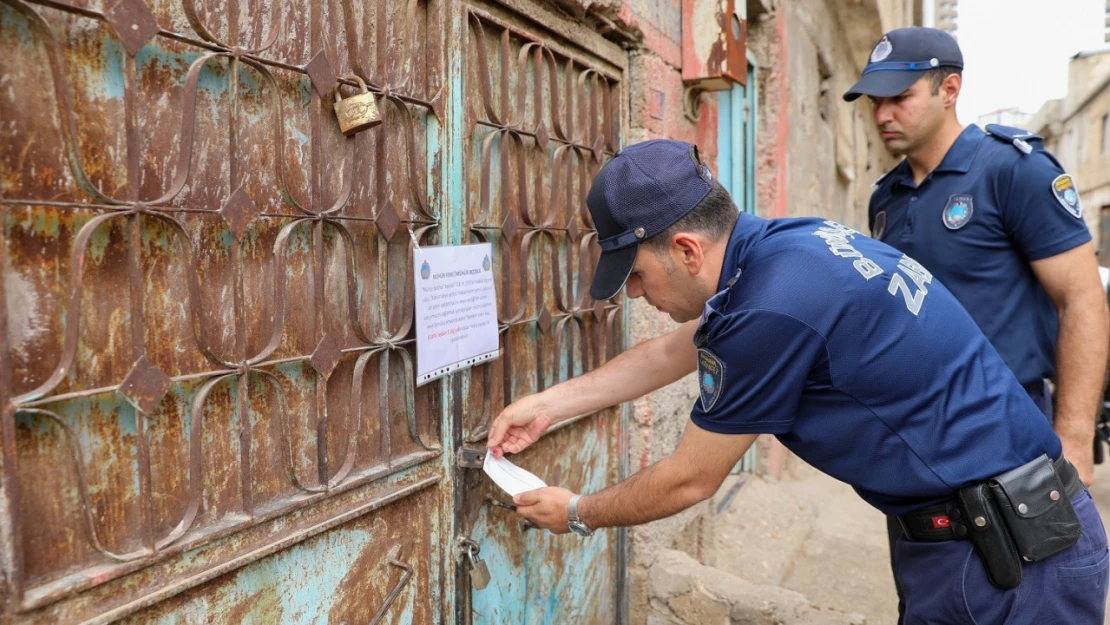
x=947 y=15
x=1076 y=129
x=1014 y=117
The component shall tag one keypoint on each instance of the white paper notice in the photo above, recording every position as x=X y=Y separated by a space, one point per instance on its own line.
x=511 y=478
x=456 y=309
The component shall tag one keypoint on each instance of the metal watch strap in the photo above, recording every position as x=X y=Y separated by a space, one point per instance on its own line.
x=572 y=515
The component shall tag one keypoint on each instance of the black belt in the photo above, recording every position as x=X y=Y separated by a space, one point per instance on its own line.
x=944 y=521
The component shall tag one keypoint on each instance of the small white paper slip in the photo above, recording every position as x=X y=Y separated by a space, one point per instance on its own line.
x=511 y=478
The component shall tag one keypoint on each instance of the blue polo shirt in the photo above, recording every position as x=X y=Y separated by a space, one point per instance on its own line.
x=976 y=222
x=860 y=363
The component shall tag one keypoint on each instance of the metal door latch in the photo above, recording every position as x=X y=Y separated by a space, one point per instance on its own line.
x=471 y=458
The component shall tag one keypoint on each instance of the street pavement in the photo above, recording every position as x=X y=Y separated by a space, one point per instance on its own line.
x=812 y=534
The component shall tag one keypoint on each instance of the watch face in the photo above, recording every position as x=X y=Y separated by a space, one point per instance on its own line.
x=579 y=528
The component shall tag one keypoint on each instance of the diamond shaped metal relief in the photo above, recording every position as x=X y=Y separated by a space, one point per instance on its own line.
x=573 y=230
x=598 y=147
x=544 y=321
x=134 y=24
x=239 y=211
x=387 y=220
x=541 y=136
x=326 y=356
x=510 y=227
x=599 y=311
x=145 y=385
x=322 y=74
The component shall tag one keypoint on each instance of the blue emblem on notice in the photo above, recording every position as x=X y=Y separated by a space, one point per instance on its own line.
x=486 y=263
x=425 y=270
x=958 y=211
x=711 y=375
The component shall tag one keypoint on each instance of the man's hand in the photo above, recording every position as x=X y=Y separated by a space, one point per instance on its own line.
x=1079 y=450
x=518 y=426
x=546 y=507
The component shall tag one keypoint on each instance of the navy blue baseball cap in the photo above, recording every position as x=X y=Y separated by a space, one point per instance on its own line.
x=902 y=57
x=643 y=190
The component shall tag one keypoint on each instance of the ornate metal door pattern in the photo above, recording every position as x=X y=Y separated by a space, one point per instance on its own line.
x=541 y=121
x=205 y=332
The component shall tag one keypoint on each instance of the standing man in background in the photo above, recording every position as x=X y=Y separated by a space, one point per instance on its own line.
x=997 y=220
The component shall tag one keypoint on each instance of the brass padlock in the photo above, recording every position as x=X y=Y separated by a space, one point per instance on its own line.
x=358 y=112
x=479 y=572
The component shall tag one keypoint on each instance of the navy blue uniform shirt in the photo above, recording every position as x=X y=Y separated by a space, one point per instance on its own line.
x=976 y=222
x=861 y=364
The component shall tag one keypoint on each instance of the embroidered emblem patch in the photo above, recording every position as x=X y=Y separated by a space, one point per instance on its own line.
x=957 y=212
x=711 y=378
x=1063 y=187
x=878 y=229
x=882 y=50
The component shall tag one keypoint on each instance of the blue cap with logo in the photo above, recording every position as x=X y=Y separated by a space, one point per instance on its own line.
x=902 y=57
x=643 y=190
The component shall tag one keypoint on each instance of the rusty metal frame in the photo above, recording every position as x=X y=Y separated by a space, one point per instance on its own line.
x=145 y=386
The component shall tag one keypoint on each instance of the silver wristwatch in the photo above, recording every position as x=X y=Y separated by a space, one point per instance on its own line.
x=573 y=521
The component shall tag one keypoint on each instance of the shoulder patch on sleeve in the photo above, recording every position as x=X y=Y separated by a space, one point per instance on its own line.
x=711 y=378
x=1020 y=139
x=1063 y=187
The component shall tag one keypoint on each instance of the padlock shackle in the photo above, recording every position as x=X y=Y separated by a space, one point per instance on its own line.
x=355 y=77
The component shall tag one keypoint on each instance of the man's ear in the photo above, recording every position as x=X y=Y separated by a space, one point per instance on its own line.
x=689 y=251
x=950 y=89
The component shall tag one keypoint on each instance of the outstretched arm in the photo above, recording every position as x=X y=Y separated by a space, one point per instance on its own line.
x=691 y=474
x=634 y=373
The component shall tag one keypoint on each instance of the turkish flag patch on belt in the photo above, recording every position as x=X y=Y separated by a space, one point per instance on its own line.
x=941 y=522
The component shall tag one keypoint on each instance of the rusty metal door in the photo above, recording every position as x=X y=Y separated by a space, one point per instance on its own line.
x=206 y=358
x=541 y=116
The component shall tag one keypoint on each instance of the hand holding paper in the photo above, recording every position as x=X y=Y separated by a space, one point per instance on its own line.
x=511 y=478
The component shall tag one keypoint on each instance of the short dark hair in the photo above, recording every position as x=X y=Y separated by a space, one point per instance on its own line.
x=936 y=76
x=715 y=216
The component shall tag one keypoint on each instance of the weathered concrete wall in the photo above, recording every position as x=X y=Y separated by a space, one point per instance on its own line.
x=831 y=149
x=1092 y=174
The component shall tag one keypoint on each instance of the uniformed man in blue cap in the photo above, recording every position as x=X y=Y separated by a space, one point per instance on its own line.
x=996 y=219
x=859 y=361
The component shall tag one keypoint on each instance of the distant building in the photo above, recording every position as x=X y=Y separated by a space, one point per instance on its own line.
x=1007 y=117
x=1076 y=129
x=947 y=13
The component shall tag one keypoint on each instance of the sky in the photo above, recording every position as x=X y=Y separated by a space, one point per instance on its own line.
x=1016 y=51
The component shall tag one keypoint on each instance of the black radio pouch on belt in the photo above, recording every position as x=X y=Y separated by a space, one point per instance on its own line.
x=989 y=536
x=1032 y=502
